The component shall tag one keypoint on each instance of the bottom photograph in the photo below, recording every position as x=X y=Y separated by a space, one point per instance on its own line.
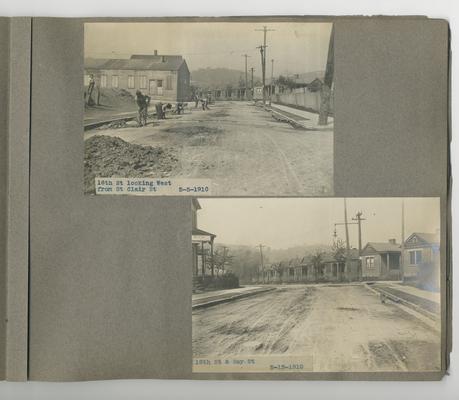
x=316 y=285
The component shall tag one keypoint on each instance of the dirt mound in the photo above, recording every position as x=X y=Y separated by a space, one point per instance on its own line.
x=107 y=157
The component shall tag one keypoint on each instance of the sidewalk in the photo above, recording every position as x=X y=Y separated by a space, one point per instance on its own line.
x=420 y=299
x=207 y=299
x=425 y=294
x=306 y=119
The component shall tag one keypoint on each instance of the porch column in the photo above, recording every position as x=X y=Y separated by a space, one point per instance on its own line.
x=388 y=263
x=212 y=256
x=203 y=263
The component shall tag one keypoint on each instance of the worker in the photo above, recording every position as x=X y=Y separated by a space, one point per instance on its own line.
x=204 y=104
x=143 y=102
x=91 y=85
x=159 y=110
x=179 y=108
x=165 y=107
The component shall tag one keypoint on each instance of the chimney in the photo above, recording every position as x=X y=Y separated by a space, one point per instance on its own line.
x=163 y=59
x=156 y=52
x=392 y=241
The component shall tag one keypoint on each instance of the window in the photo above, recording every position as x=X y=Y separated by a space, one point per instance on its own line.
x=86 y=79
x=169 y=83
x=291 y=271
x=103 y=81
x=143 y=82
x=415 y=257
x=370 y=262
x=131 y=82
x=114 y=81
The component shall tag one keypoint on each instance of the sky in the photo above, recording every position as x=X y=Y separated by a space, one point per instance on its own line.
x=295 y=47
x=287 y=222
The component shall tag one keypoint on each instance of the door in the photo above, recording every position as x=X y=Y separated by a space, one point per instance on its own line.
x=152 y=87
x=159 y=84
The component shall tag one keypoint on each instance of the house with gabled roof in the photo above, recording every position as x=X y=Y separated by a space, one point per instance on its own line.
x=381 y=260
x=162 y=77
x=421 y=259
x=202 y=247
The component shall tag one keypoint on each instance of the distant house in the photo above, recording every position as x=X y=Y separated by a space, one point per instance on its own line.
x=422 y=259
x=324 y=269
x=336 y=269
x=258 y=93
x=162 y=77
x=381 y=260
x=315 y=85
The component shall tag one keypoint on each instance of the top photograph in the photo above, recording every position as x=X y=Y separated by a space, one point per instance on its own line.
x=208 y=108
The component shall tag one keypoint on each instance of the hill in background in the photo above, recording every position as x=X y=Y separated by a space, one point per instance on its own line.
x=214 y=78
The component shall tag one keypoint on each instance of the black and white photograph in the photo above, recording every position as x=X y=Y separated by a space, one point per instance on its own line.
x=245 y=106
x=316 y=285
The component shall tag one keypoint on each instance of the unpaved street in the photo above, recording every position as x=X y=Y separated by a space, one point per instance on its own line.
x=242 y=149
x=343 y=327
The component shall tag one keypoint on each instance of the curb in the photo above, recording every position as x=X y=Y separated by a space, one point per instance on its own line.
x=396 y=299
x=228 y=299
x=93 y=125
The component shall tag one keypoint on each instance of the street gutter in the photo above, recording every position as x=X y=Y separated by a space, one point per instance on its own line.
x=416 y=310
x=215 y=302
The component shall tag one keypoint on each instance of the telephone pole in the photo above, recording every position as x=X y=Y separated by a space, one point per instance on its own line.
x=328 y=81
x=263 y=57
x=262 y=53
x=359 y=219
x=260 y=246
x=246 y=82
x=251 y=69
x=271 y=85
x=402 y=252
x=348 y=246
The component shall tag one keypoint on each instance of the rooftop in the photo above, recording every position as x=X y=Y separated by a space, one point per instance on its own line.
x=137 y=62
x=383 y=247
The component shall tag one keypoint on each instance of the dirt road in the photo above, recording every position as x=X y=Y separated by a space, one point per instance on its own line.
x=343 y=327
x=242 y=149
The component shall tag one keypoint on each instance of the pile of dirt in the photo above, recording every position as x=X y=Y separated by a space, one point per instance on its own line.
x=107 y=157
x=114 y=125
x=115 y=96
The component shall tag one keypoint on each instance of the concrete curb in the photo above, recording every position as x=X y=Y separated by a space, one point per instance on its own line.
x=215 y=302
x=396 y=299
x=98 y=124
x=278 y=115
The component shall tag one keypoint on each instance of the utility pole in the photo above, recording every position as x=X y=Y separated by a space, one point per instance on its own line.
x=271 y=85
x=262 y=53
x=328 y=81
x=260 y=246
x=246 y=83
x=263 y=56
x=402 y=253
x=359 y=219
x=251 y=69
x=348 y=246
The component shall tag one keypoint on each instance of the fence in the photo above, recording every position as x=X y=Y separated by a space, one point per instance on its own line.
x=302 y=98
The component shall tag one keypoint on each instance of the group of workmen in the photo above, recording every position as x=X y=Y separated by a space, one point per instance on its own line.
x=205 y=100
x=143 y=102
